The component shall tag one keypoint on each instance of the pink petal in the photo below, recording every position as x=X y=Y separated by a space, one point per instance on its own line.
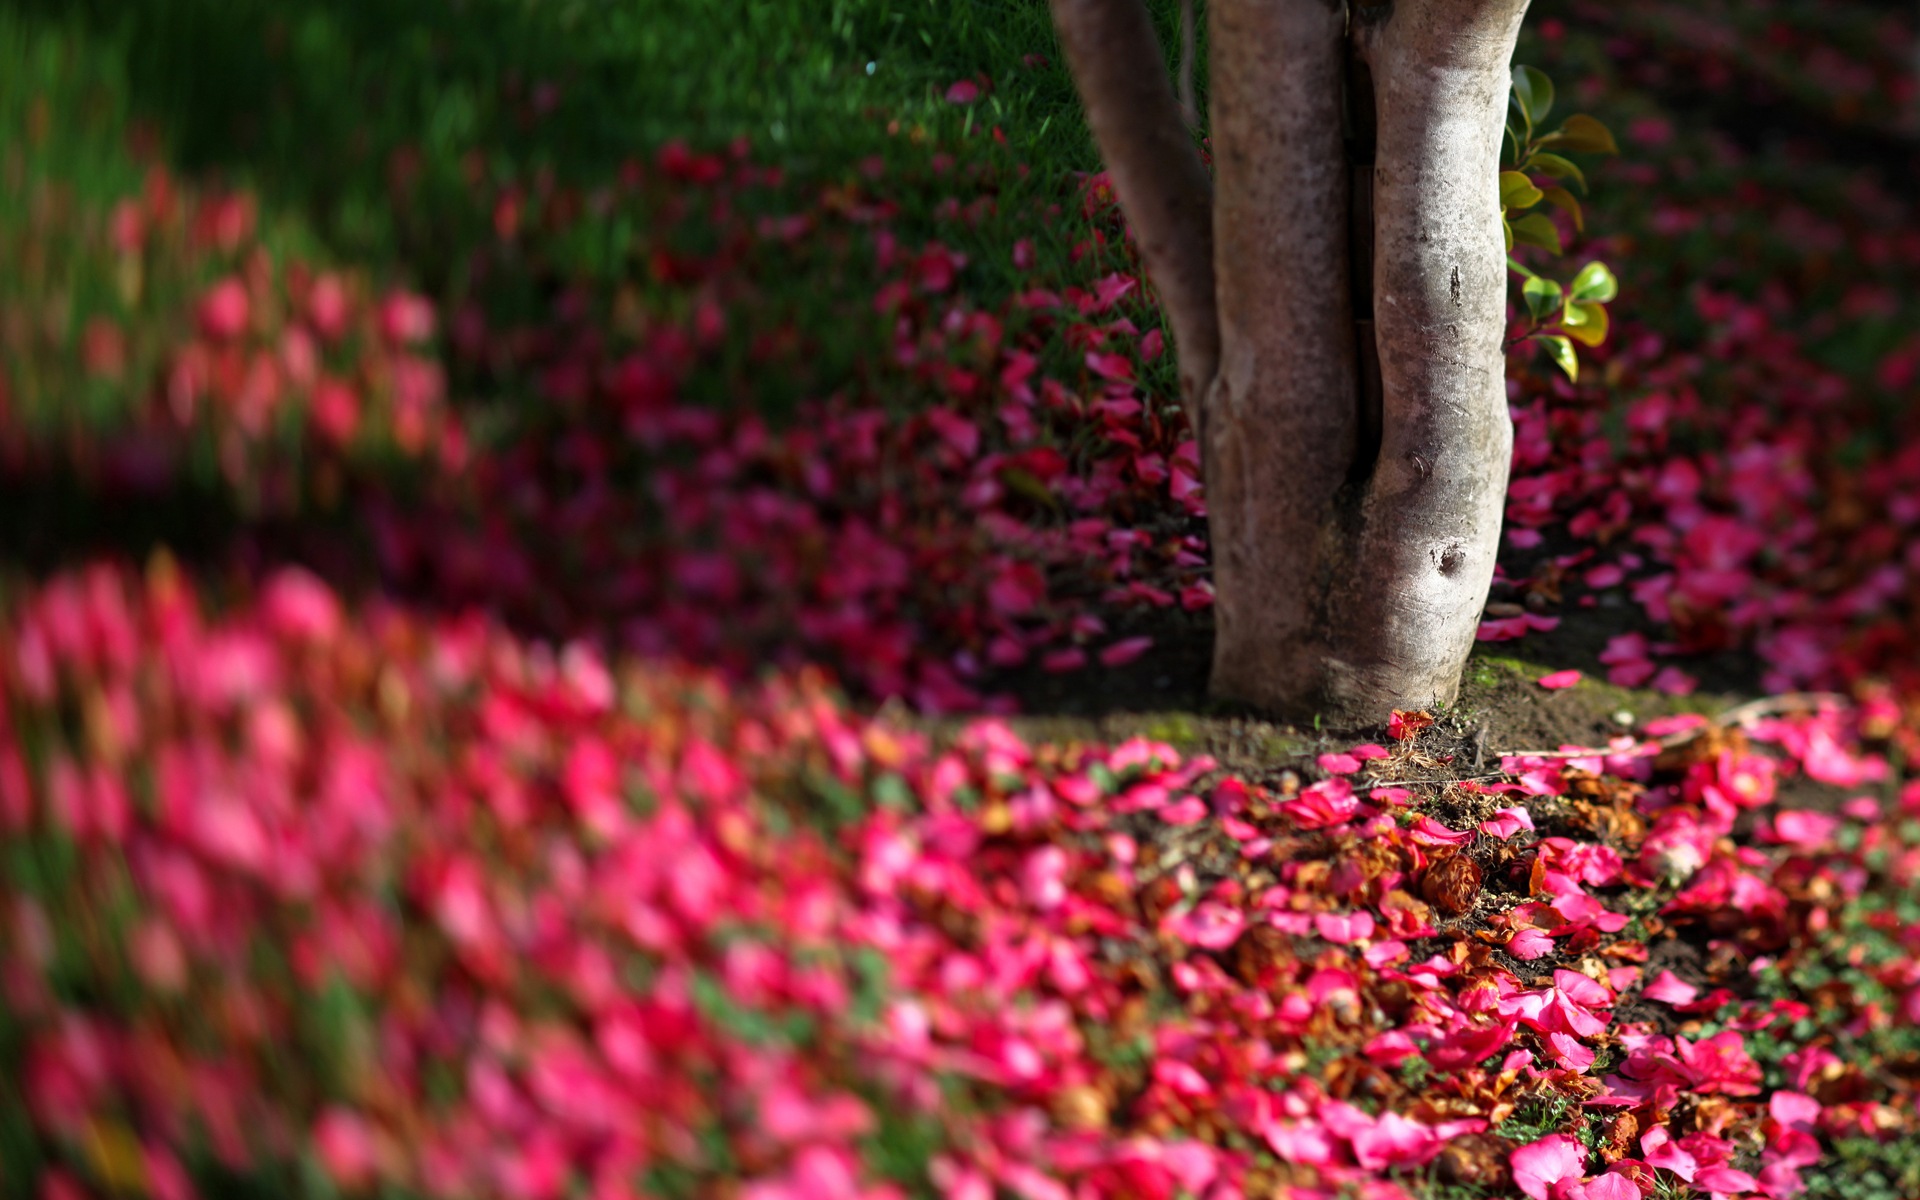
x=1385 y=954
x=1668 y=988
x=1569 y=1052
x=1344 y=928
x=1185 y=811
x=1724 y=1180
x=1125 y=651
x=1607 y=1187
x=1338 y=764
x=966 y=91
x=1658 y=1149
x=1181 y=1077
x=1675 y=682
x=1581 y=989
x=1560 y=679
x=1793 y=1109
x=1395 y=1140
x=1536 y=1168
x=1210 y=926
x=1307 y=1144
x=1429 y=832
x=1072 y=658
x=1368 y=751
x=1799 y=827
x=1507 y=822
x=1529 y=944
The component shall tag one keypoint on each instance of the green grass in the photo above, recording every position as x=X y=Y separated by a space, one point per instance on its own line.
x=377 y=133
x=312 y=100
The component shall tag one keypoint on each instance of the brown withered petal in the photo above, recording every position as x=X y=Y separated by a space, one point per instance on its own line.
x=1080 y=1107
x=1620 y=1132
x=1477 y=1160
x=1705 y=748
x=1452 y=884
x=1259 y=953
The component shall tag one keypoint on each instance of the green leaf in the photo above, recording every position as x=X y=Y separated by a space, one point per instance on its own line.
x=1585 y=323
x=1582 y=135
x=1533 y=91
x=1506 y=230
x=1535 y=229
x=1510 y=143
x=1563 y=355
x=1555 y=167
x=1517 y=191
x=1543 y=297
x=1517 y=265
x=1563 y=200
x=1594 y=283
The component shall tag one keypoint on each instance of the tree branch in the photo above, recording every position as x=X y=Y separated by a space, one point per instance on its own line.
x=1161 y=182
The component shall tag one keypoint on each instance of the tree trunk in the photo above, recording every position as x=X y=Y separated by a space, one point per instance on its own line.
x=1355 y=427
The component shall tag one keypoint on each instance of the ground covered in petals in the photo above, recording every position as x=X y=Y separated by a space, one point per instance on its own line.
x=545 y=654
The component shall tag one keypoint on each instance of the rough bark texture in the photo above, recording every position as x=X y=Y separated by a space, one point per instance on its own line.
x=1163 y=188
x=1283 y=421
x=1354 y=526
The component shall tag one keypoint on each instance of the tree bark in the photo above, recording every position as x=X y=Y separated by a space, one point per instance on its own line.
x=1430 y=519
x=1355 y=431
x=1283 y=416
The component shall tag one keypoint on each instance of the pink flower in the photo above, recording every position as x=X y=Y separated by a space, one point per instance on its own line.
x=1125 y=651
x=964 y=91
x=1539 y=1168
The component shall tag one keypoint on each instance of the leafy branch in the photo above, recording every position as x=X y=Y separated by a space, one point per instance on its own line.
x=1535 y=171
